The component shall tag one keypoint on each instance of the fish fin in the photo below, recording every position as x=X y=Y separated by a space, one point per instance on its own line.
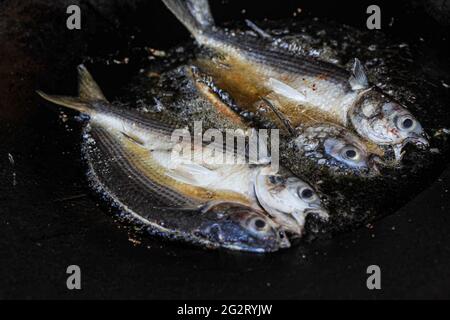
x=358 y=79
x=133 y=138
x=187 y=172
x=210 y=205
x=286 y=122
x=88 y=89
x=195 y=15
x=89 y=92
x=285 y=90
x=192 y=209
x=258 y=30
x=181 y=175
x=206 y=89
x=68 y=102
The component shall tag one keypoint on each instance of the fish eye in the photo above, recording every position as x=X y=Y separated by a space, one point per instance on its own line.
x=258 y=224
x=350 y=153
x=406 y=123
x=306 y=194
x=346 y=151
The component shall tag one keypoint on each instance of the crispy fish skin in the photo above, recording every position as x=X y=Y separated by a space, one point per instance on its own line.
x=344 y=96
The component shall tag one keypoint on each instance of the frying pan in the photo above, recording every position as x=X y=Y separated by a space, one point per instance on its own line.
x=49 y=219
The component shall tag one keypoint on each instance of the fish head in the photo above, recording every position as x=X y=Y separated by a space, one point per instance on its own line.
x=349 y=150
x=242 y=228
x=380 y=119
x=288 y=200
x=335 y=146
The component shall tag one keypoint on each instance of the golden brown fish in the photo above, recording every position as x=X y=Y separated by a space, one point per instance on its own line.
x=255 y=68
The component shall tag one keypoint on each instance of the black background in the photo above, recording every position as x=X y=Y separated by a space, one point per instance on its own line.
x=49 y=220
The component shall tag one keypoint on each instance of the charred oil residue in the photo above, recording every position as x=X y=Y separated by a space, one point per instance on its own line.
x=401 y=69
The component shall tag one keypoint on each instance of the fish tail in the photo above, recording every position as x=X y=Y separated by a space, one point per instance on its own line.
x=88 y=93
x=194 y=14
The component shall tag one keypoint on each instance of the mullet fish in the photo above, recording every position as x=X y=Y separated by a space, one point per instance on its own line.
x=139 y=151
x=257 y=69
x=329 y=145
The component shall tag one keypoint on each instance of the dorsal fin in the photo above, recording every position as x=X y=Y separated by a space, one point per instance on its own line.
x=88 y=89
x=358 y=79
x=258 y=30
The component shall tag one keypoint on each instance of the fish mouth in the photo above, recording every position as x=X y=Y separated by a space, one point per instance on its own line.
x=299 y=220
x=291 y=223
x=420 y=141
x=318 y=212
x=262 y=248
x=216 y=235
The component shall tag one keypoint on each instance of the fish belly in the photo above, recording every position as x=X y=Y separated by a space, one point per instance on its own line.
x=199 y=172
x=316 y=93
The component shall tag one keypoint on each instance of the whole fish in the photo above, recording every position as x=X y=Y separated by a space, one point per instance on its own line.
x=125 y=172
x=329 y=145
x=149 y=147
x=346 y=97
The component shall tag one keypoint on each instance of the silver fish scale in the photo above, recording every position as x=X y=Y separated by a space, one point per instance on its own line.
x=285 y=60
x=138 y=119
x=107 y=144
